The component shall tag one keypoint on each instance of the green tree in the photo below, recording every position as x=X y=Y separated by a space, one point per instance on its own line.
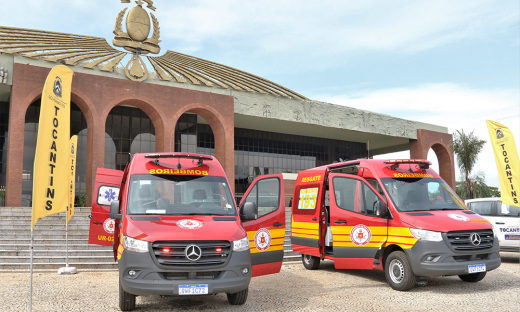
x=80 y=200
x=467 y=147
x=475 y=187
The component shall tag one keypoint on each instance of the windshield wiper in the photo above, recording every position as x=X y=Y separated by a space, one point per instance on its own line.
x=453 y=208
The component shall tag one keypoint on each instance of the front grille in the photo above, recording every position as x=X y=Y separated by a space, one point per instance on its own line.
x=461 y=240
x=173 y=253
x=467 y=258
x=191 y=275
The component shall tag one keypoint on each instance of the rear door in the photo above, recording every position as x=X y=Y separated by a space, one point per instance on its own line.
x=307 y=234
x=266 y=234
x=357 y=232
x=106 y=189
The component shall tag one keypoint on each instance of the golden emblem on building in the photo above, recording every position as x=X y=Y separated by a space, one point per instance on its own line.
x=136 y=39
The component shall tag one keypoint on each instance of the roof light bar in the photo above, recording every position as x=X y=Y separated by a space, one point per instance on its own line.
x=200 y=158
x=423 y=164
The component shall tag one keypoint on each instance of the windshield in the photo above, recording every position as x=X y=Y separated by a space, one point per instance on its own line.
x=421 y=194
x=180 y=195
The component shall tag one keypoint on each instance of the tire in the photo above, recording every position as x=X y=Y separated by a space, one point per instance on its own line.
x=398 y=271
x=473 y=277
x=126 y=300
x=310 y=262
x=238 y=298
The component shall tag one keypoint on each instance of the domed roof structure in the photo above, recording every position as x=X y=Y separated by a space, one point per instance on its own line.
x=95 y=53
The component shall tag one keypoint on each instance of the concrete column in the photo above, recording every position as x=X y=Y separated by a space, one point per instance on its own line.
x=15 y=143
x=95 y=152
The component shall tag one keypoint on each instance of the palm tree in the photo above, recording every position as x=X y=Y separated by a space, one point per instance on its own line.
x=467 y=147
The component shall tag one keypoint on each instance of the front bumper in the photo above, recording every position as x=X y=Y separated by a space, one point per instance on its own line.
x=150 y=279
x=447 y=261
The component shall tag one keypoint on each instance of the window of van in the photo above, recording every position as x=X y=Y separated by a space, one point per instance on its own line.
x=508 y=211
x=421 y=194
x=353 y=195
x=265 y=194
x=179 y=195
x=483 y=208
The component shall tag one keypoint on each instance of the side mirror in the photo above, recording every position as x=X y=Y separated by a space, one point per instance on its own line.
x=382 y=209
x=248 y=211
x=114 y=210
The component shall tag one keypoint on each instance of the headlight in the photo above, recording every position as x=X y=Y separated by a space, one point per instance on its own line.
x=241 y=244
x=426 y=235
x=135 y=245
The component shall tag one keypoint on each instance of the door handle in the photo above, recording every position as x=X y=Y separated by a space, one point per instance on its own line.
x=98 y=223
x=314 y=219
x=499 y=223
x=340 y=222
x=277 y=224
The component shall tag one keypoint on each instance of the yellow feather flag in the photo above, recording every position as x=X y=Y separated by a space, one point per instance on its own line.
x=51 y=165
x=73 y=148
x=508 y=164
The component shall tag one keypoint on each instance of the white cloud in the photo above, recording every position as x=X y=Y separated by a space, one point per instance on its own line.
x=335 y=26
x=453 y=106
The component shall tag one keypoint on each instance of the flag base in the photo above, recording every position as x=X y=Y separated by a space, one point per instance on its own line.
x=67 y=270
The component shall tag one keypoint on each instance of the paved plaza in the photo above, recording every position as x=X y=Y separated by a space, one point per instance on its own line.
x=294 y=289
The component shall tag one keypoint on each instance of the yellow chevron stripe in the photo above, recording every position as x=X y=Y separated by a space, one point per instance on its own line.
x=302 y=231
x=271 y=248
x=306 y=236
x=275 y=233
x=305 y=225
x=399 y=231
x=376 y=230
x=349 y=244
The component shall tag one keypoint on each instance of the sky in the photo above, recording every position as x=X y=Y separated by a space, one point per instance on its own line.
x=448 y=63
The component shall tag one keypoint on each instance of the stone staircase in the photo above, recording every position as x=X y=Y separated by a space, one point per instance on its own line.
x=49 y=244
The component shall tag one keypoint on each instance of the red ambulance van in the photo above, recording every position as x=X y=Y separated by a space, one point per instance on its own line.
x=397 y=216
x=176 y=230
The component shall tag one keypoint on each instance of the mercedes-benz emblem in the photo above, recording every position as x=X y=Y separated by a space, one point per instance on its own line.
x=193 y=252
x=475 y=239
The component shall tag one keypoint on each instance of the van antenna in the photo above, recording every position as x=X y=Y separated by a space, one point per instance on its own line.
x=368 y=149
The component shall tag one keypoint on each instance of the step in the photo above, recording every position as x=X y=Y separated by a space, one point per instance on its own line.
x=39 y=241
x=55 y=266
x=54 y=253
x=26 y=227
x=19 y=211
x=57 y=259
x=75 y=246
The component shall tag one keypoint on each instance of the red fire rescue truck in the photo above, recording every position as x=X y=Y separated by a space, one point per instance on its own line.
x=397 y=216
x=176 y=230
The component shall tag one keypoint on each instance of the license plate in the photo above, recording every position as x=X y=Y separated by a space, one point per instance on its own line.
x=475 y=268
x=201 y=289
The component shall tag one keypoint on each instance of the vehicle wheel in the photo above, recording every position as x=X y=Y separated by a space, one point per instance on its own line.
x=398 y=271
x=238 y=298
x=473 y=277
x=126 y=300
x=310 y=262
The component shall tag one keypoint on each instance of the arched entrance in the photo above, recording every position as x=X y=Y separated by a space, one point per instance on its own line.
x=214 y=138
x=128 y=130
x=440 y=143
x=78 y=126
